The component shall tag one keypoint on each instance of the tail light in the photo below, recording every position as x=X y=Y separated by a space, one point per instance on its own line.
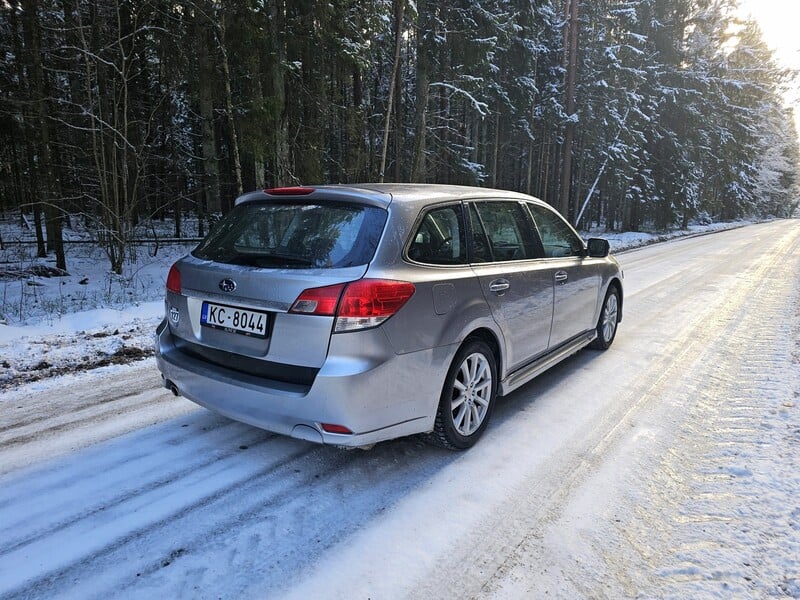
x=369 y=302
x=174 y=280
x=318 y=301
x=358 y=305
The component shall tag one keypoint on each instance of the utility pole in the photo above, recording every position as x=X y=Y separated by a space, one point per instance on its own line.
x=571 y=39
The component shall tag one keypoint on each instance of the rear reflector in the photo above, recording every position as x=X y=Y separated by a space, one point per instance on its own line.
x=330 y=428
x=357 y=305
x=289 y=191
x=174 y=280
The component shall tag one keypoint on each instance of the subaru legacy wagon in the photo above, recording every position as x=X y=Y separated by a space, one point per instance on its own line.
x=349 y=315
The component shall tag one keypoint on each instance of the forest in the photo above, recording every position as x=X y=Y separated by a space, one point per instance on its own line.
x=623 y=114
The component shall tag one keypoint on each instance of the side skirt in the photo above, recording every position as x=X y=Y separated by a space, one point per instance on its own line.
x=524 y=374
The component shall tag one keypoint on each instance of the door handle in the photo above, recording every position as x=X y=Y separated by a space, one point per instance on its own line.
x=561 y=277
x=498 y=286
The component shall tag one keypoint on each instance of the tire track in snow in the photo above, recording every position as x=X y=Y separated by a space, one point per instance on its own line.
x=112 y=466
x=73 y=412
x=507 y=546
x=716 y=410
x=36 y=419
x=740 y=542
x=135 y=475
x=74 y=419
x=493 y=518
x=252 y=522
x=114 y=516
x=110 y=530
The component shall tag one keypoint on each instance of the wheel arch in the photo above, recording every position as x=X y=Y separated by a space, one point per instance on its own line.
x=616 y=283
x=447 y=432
x=487 y=335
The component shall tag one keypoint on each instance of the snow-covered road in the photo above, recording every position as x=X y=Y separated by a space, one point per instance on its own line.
x=668 y=466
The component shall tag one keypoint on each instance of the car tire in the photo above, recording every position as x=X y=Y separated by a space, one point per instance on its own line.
x=607 y=323
x=467 y=399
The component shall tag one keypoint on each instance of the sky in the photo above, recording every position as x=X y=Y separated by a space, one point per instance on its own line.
x=778 y=20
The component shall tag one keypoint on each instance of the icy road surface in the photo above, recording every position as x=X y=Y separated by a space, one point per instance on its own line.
x=668 y=466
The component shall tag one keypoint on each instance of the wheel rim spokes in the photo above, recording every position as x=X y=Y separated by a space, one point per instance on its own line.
x=610 y=318
x=472 y=391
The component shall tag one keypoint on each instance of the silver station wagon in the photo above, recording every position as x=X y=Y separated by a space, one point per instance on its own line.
x=348 y=315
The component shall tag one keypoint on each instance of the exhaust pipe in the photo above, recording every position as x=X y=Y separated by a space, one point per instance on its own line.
x=171 y=387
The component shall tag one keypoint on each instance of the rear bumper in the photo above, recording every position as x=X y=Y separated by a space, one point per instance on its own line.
x=363 y=385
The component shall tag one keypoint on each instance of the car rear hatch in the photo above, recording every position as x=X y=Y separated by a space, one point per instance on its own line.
x=254 y=296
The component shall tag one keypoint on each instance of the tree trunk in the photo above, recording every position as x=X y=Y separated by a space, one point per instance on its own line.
x=569 y=135
x=310 y=153
x=41 y=249
x=177 y=216
x=399 y=8
x=279 y=124
x=31 y=192
x=496 y=150
x=209 y=197
x=418 y=166
x=355 y=161
x=52 y=210
x=529 y=169
x=226 y=74
x=258 y=151
x=398 y=25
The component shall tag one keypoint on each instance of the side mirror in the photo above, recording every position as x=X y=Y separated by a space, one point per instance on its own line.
x=598 y=248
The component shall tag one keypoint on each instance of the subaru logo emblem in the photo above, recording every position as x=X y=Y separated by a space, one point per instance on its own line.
x=227 y=285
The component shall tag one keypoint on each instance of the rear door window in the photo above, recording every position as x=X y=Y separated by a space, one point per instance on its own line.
x=501 y=231
x=274 y=235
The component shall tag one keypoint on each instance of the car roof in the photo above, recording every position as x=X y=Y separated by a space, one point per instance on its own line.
x=383 y=194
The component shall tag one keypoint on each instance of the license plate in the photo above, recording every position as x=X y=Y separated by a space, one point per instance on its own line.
x=234 y=319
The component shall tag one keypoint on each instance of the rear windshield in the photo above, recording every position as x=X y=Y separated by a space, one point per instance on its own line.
x=299 y=236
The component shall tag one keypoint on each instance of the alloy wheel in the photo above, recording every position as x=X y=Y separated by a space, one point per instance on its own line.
x=472 y=392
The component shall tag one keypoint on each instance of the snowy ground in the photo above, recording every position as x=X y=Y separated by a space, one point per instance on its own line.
x=666 y=467
x=87 y=318
x=91 y=318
